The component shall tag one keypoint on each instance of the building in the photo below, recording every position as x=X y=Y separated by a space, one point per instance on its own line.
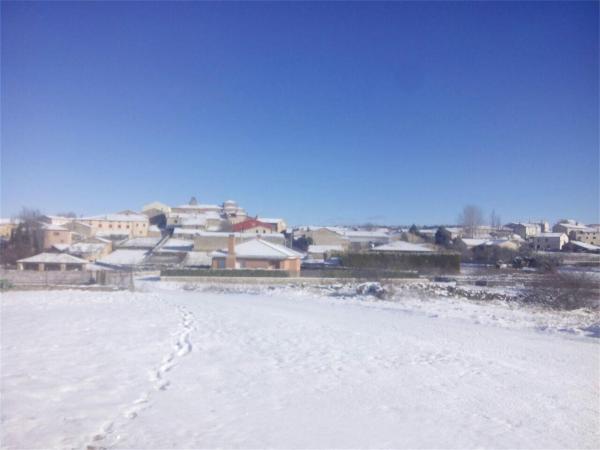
x=257 y=254
x=278 y=225
x=156 y=208
x=253 y=226
x=54 y=234
x=586 y=235
x=549 y=241
x=6 y=227
x=209 y=220
x=51 y=261
x=323 y=235
x=130 y=224
x=361 y=239
x=568 y=225
x=525 y=230
x=232 y=212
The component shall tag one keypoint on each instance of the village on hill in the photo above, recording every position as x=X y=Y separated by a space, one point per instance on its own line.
x=217 y=237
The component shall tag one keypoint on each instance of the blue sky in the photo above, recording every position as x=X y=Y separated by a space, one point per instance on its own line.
x=317 y=112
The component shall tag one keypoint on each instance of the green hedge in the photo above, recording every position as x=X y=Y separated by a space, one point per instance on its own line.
x=422 y=262
x=223 y=273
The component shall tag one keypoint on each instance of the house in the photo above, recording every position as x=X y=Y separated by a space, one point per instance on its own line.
x=549 y=241
x=54 y=234
x=257 y=254
x=323 y=251
x=525 y=230
x=254 y=226
x=278 y=225
x=51 y=261
x=207 y=241
x=130 y=224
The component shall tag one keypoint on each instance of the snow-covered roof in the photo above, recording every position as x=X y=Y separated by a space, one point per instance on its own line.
x=61 y=247
x=154 y=228
x=470 y=242
x=178 y=244
x=86 y=247
x=141 y=242
x=197 y=259
x=548 y=235
x=118 y=217
x=124 y=257
x=260 y=248
x=53 y=258
x=402 y=246
x=585 y=245
x=53 y=227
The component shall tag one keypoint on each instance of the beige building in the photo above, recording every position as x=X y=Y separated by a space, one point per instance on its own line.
x=131 y=224
x=257 y=254
x=54 y=235
x=587 y=236
x=6 y=227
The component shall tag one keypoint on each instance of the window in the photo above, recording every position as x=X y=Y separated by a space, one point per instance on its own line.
x=56 y=233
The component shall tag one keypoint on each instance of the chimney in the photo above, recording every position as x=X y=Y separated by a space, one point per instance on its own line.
x=230 y=260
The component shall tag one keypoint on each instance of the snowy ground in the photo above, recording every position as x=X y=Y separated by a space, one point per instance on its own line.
x=287 y=368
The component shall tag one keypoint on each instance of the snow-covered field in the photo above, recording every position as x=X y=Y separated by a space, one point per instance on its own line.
x=168 y=368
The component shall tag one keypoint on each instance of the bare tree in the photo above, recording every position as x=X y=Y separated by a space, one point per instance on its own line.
x=495 y=221
x=470 y=219
x=26 y=238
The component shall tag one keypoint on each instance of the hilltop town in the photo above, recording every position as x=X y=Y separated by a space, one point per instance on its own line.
x=210 y=238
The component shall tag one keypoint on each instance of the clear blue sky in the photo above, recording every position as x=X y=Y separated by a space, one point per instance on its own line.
x=316 y=112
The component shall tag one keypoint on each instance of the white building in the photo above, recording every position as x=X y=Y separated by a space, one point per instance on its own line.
x=549 y=241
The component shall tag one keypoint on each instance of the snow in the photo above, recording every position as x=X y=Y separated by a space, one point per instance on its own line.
x=260 y=248
x=124 y=257
x=170 y=367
